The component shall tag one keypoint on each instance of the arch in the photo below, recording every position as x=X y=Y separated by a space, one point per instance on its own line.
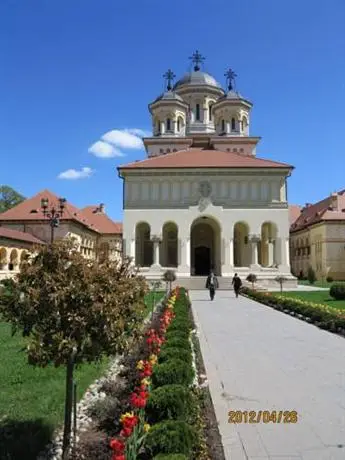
x=197 y=112
x=13 y=259
x=244 y=124
x=223 y=126
x=143 y=245
x=169 y=253
x=233 y=124
x=24 y=256
x=267 y=245
x=157 y=125
x=241 y=244
x=210 y=110
x=3 y=258
x=168 y=124
x=205 y=233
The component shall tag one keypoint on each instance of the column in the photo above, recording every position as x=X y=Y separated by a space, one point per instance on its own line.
x=270 y=253
x=283 y=254
x=228 y=265
x=155 y=252
x=132 y=249
x=162 y=127
x=254 y=253
x=227 y=124
x=184 y=266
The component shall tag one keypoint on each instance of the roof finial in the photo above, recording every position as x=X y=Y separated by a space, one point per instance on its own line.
x=197 y=59
x=230 y=78
x=169 y=76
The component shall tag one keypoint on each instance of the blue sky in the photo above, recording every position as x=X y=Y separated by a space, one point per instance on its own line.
x=72 y=70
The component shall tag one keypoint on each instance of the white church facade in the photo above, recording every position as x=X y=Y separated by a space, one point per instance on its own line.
x=203 y=200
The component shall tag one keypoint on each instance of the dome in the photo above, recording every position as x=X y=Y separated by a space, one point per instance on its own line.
x=197 y=78
x=169 y=96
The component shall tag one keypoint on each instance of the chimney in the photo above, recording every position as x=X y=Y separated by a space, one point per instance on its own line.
x=101 y=208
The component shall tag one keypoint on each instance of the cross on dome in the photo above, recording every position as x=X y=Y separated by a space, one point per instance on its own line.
x=169 y=77
x=230 y=78
x=197 y=59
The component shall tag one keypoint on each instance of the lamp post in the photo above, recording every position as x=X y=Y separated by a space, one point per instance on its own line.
x=53 y=214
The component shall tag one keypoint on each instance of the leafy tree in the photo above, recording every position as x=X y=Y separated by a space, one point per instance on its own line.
x=169 y=277
x=281 y=280
x=311 y=275
x=252 y=279
x=9 y=198
x=73 y=310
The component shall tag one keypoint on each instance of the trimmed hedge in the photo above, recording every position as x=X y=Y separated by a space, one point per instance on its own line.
x=171 y=402
x=171 y=437
x=175 y=352
x=325 y=317
x=170 y=457
x=177 y=342
x=172 y=371
x=337 y=291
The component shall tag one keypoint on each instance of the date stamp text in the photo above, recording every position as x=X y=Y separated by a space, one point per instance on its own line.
x=262 y=416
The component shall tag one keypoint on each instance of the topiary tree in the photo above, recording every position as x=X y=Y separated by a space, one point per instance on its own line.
x=281 y=280
x=337 y=291
x=73 y=310
x=311 y=276
x=169 y=277
x=252 y=279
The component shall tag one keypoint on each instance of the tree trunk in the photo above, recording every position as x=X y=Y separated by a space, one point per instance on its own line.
x=68 y=408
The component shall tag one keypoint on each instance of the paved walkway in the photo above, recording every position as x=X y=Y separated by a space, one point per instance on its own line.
x=259 y=359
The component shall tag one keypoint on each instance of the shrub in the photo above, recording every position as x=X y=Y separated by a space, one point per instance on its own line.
x=311 y=275
x=175 y=352
x=107 y=412
x=169 y=402
x=173 y=371
x=180 y=324
x=171 y=437
x=177 y=342
x=337 y=291
x=252 y=279
x=170 y=335
x=93 y=445
x=329 y=279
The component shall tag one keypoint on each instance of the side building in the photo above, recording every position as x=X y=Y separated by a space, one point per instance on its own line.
x=317 y=238
x=97 y=236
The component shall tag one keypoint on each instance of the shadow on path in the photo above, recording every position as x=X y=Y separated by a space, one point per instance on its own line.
x=23 y=439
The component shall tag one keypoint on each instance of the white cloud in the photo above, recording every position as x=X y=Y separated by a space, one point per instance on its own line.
x=75 y=174
x=123 y=139
x=104 y=150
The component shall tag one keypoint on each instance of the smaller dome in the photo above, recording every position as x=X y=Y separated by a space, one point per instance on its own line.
x=197 y=78
x=168 y=96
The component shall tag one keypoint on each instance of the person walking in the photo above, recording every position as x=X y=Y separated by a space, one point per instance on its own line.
x=212 y=284
x=237 y=283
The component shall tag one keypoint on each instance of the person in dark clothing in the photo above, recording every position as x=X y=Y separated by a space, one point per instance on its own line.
x=212 y=284
x=237 y=283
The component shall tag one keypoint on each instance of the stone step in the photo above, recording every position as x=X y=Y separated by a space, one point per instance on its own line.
x=196 y=283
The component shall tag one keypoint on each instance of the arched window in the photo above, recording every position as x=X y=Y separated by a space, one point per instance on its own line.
x=168 y=124
x=158 y=127
x=223 y=126
x=197 y=112
x=210 y=112
x=178 y=125
x=233 y=124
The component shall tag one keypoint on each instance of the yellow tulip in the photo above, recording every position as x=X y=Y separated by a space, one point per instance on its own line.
x=146 y=427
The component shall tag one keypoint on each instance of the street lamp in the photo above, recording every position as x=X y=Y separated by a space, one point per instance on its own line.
x=53 y=214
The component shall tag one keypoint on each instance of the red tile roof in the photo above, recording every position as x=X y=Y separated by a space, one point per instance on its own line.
x=199 y=158
x=30 y=210
x=19 y=236
x=294 y=213
x=100 y=220
x=323 y=210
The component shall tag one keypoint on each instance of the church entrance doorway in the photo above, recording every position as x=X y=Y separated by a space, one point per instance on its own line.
x=205 y=247
x=202 y=260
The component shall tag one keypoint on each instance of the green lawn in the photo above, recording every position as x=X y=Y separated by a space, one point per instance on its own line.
x=32 y=399
x=322 y=297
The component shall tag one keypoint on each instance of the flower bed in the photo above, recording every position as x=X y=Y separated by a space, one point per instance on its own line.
x=328 y=318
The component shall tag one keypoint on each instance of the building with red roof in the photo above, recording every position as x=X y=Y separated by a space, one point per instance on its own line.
x=203 y=200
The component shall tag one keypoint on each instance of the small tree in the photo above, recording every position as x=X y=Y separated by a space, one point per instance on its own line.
x=73 y=310
x=281 y=280
x=252 y=279
x=311 y=275
x=169 y=277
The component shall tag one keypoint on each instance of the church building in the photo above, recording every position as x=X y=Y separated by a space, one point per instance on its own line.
x=203 y=200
